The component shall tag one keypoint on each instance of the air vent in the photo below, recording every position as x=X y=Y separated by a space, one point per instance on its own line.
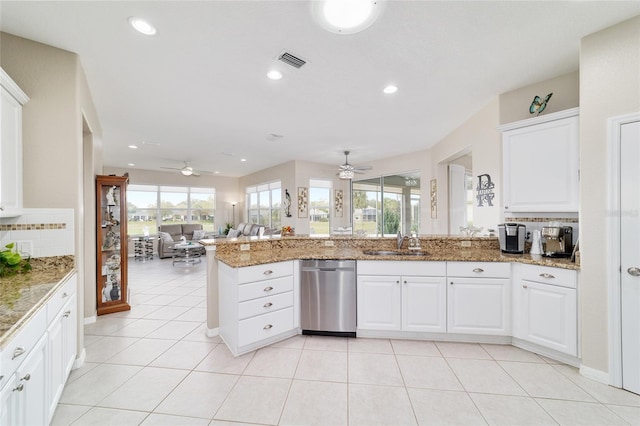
x=292 y=60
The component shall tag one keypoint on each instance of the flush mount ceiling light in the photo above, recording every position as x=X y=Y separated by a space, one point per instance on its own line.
x=390 y=89
x=142 y=26
x=274 y=75
x=346 y=16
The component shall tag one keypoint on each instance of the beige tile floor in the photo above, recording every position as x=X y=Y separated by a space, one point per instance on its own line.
x=154 y=365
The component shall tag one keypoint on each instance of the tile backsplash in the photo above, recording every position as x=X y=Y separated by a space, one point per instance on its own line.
x=40 y=232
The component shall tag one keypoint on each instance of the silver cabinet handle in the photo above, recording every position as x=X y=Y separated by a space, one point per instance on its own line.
x=268 y=288
x=524 y=286
x=268 y=305
x=66 y=314
x=478 y=270
x=268 y=272
x=405 y=281
x=26 y=378
x=545 y=275
x=18 y=351
x=451 y=283
x=267 y=327
x=398 y=282
x=18 y=388
x=634 y=270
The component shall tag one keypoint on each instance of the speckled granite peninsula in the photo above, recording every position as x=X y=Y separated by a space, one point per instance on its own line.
x=438 y=248
x=33 y=290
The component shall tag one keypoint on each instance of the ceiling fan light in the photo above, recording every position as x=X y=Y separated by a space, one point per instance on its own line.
x=346 y=16
x=187 y=171
x=346 y=174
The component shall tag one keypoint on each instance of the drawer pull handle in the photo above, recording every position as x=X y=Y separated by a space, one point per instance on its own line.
x=17 y=352
x=397 y=282
x=524 y=286
x=268 y=305
x=26 y=378
x=268 y=288
x=478 y=270
x=65 y=295
x=451 y=283
x=66 y=314
x=267 y=327
x=545 y=275
x=268 y=272
x=18 y=388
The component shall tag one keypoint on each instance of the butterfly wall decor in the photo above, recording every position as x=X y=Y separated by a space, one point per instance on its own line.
x=538 y=105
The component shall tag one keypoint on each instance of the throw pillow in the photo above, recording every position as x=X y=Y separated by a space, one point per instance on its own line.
x=165 y=236
x=233 y=233
x=199 y=234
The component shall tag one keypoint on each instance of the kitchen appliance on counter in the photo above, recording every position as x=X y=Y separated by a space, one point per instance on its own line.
x=328 y=297
x=512 y=236
x=559 y=240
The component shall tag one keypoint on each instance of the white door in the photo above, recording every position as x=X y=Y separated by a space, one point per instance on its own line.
x=424 y=304
x=379 y=301
x=630 y=254
x=457 y=199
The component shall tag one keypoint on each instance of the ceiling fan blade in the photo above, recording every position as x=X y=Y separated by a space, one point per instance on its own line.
x=171 y=168
x=363 y=167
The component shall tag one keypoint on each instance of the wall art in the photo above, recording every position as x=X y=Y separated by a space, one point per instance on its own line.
x=433 y=193
x=303 y=200
x=484 y=191
x=338 y=202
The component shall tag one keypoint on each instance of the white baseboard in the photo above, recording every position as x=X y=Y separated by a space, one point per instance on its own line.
x=593 y=374
x=90 y=320
x=213 y=332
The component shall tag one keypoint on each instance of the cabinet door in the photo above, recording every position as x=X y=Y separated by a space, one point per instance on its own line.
x=32 y=404
x=541 y=167
x=478 y=306
x=549 y=316
x=379 y=302
x=8 y=403
x=10 y=156
x=424 y=303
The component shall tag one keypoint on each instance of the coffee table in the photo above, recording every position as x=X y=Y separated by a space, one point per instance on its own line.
x=187 y=253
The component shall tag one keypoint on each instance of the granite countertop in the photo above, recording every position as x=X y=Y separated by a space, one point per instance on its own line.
x=238 y=259
x=22 y=295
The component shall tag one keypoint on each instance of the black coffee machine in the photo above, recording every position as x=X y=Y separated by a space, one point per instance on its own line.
x=512 y=236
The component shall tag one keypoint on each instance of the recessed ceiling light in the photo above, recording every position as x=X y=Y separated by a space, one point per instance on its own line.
x=142 y=26
x=346 y=16
x=390 y=89
x=131 y=164
x=274 y=75
x=133 y=146
x=243 y=160
x=216 y=172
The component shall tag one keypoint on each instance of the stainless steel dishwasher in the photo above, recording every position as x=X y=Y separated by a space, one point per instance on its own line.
x=328 y=297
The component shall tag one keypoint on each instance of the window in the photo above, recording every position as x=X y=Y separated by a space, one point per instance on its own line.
x=385 y=205
x=149 y=206
x=319 y=207
x=264 y=203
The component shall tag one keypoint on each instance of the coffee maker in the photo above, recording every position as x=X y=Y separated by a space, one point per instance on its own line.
x=559 y=240
x=512 y=236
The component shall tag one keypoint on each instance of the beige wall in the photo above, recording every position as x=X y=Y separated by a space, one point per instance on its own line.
x=609 y=86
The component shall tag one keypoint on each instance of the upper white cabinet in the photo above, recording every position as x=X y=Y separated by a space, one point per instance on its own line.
x=541 y=163
x=12 y=99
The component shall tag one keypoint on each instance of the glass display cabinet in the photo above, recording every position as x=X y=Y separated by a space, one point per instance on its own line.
x=111 y=244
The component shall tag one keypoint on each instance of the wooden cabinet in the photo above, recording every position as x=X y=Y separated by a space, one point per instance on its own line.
x=541 y=163
x=545 y=307
x=11 y=101
x=257 y=305
x=479 y=298
x=111 y=244
x=401 y=296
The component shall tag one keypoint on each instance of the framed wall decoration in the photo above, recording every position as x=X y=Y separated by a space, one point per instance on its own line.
x=303 y=201
x=433 y=192
x=338 y=202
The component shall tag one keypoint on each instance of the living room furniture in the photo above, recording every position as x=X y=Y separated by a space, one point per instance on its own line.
x=187 y=253
x=175 y=233
x=143 y=248
x=111 y=244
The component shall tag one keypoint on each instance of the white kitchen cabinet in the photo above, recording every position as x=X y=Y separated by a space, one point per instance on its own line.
x=402 y=296
x=479 y=298
x=545 y=307
x=541 y=163
x=11 y=101
x=257 y=305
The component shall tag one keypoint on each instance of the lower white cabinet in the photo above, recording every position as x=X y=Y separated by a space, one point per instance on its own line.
x=479 y=298
x=379 y=302
x=62 y=350
x=545 y=307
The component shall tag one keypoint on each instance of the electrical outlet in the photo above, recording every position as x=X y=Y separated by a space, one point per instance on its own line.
x=465 y=243
x=328 y=243
x=24 y=247
x=245 y=247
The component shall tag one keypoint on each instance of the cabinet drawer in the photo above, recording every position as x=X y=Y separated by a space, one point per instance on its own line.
x=263 y=305
x=18 y=348
x=264 y=288
x=548 y=275
x=262 y=327
x=400 y=267
x=262 y=272
x=479 y=269
x=60 y=297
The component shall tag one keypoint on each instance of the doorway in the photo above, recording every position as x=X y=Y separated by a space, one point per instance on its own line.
x=625 y=267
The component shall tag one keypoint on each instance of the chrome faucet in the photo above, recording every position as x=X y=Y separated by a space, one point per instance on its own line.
x=401 y=239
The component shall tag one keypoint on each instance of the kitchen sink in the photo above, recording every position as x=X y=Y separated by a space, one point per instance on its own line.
x=414 y=253
x=394 y=253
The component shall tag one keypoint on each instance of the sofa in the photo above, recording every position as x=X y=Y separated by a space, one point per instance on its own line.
x=168 y=235
x=248 y=230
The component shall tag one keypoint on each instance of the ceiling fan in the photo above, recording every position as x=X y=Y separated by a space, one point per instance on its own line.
x=347 y=171
x=187 y=170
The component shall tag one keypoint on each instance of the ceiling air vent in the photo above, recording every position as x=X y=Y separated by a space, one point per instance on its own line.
x=292 y=60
